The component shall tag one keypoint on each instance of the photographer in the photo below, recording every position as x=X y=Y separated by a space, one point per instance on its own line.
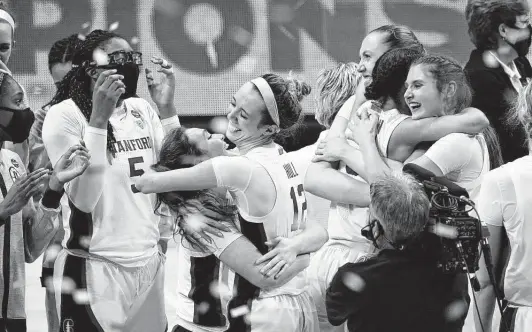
x=399 y=289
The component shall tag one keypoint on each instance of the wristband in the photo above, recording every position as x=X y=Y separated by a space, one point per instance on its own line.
x=52 y=198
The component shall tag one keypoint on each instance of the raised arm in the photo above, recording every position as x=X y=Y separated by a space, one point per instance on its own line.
x=410 y=133
x=324 y=181
x=41 y=224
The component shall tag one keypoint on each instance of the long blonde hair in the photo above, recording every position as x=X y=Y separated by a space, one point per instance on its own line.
x=334 y=86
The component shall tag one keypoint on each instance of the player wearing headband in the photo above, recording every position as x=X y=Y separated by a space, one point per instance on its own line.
x=24 y=230
x=268 y=192
x=110 y=247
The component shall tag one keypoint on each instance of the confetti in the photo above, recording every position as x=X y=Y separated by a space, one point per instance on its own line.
x=240 y=35
x=134 y=41
x=455 y=311
x=203 y=308
x=36 y=90
x=52 y=252
x=354 y=282
x=446 y=231
x=281 y=13
x=49 y=283
x=239 y=311
x=212 y=55
x=81 y=37
x=100 y=57
x=489 y=60
x=220 y=290
x=86 y=25
x=85 y=241
x=81 y=296
x=114 y=26
x=67 y=285
x=257 y=318
x=218 y=124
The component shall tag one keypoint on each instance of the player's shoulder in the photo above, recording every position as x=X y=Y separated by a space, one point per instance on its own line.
x=65 y=109
x=140 y=105
x=12 y=160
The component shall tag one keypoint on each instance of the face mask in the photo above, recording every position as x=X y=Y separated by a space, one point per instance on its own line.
x=522 y=46
x=19 y=127
x=131 y=73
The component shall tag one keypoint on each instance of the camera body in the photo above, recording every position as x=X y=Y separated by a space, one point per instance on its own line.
x=452 y=237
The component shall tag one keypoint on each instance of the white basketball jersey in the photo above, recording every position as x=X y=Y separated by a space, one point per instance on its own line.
x=287 y=216
x=123 y=226
x=346 y=220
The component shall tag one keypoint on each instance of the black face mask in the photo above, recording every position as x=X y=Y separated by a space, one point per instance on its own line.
x=131 y=73
x=19 y=127
x=522 y=46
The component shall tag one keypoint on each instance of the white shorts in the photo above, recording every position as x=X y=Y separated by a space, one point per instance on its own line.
x=95 y=294
x=518 y=319
x=286 y=313
x=323 y=266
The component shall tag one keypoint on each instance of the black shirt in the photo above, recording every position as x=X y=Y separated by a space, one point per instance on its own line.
x=401 y=293
x=494 y=94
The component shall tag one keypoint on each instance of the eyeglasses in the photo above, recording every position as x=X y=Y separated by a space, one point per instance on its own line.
x=122 y=57
x=119 y=58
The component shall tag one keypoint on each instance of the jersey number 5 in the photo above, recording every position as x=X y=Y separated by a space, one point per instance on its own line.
x=133 y=171
x=299 y=211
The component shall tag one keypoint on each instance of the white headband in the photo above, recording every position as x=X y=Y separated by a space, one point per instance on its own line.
x=269 y=98
x=6 y=17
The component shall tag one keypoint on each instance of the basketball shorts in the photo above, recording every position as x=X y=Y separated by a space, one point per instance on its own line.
x=323 y=266
x=517 y=319
x=287 y=313
x=95 y=294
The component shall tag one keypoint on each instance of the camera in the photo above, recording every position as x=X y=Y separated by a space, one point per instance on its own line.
x=452 y=237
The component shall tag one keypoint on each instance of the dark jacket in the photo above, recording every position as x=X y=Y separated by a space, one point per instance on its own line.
x=494 y=94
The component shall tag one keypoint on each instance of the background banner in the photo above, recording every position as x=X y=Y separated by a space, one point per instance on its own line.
x=216 y=45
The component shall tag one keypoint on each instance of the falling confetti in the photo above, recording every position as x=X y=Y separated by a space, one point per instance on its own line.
x=239 y=311
x=203 y=308
x=220 y=290
x=134 y=41
x=455 y=311
x=257 y=318
x=240 y=35
x=100 y=57
x=354 y=282
x=489 y=60
x=81 y=296
x=81 y=37
x=49 y=283
x=281 y=13
x=85 y=241
x=37 y=90
x=446 y=231
x=114 y=26
x=52 y=252
x=86 y=25
x=67 y=285
x=218 y=124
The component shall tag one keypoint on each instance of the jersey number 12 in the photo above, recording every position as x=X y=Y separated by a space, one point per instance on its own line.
x=299 y=211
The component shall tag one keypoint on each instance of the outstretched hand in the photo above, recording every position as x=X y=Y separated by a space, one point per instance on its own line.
x=161 y=91
x=71 y=165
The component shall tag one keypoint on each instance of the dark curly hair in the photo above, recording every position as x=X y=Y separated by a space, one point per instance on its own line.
x=288 y=94
x=76 y=84
x=178 y=152
x=62 y=51
x=485 y=16
x=389 y=76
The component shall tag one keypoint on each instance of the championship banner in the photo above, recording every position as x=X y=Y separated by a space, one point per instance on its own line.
x=217 y=45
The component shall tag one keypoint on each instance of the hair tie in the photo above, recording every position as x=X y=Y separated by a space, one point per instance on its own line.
x=8 y=18
x=269 y=98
